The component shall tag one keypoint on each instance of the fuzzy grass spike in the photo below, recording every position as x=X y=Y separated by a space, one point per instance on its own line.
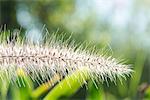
x=42 y=61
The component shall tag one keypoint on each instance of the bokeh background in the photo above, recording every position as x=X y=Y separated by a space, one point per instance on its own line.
x=122 y=26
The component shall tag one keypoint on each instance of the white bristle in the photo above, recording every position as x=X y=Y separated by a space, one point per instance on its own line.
x=41 y=62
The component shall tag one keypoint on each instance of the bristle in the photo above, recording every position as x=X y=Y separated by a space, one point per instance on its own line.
x=43 y=61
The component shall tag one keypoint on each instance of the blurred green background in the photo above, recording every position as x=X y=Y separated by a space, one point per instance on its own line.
x=121 y=26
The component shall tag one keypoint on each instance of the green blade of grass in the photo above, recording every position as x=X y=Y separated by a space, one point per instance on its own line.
x=139 y=64
x=4 y=85
x=23 y=87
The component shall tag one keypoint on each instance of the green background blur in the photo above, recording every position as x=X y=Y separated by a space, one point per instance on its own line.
x=120 y=26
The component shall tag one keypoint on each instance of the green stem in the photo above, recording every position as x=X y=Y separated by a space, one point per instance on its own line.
x=44 y=87
x=69 y=85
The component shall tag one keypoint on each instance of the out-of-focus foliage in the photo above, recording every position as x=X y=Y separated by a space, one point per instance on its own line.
x=122 y=26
